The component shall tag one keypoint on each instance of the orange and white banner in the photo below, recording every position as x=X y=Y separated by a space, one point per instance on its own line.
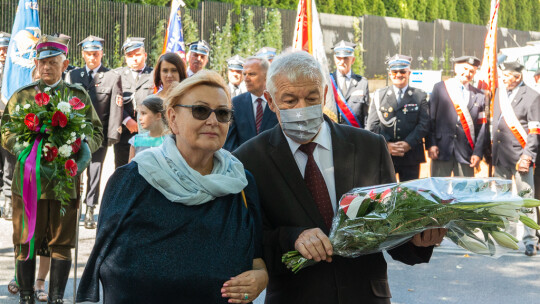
x=510 y=116
x=465 y=118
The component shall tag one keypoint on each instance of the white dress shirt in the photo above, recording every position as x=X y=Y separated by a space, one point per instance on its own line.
x=344 y=80
x=95 y=71
x=254 y=101
x=324 y=157
x=403 y=90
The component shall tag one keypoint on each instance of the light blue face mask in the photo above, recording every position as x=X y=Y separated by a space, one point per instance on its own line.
x=302 y=124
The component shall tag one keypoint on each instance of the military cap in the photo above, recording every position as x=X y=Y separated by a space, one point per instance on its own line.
x=266 y=52
x=344 y=49
x=92 y=43
x=537 y=73
x=199 y=47
x=468 y=59
x=4 y=39
x=52 y=45
x=133 y=43
x=513 y=66
x=399 y=62
x=235 y=63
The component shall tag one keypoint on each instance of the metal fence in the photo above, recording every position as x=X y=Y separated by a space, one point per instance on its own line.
x=433 y=42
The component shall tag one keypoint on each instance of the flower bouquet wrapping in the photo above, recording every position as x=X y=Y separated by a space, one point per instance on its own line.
x=49 y=132
x=476 y=213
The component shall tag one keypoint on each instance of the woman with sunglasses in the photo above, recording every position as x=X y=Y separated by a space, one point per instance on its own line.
x=181 y=222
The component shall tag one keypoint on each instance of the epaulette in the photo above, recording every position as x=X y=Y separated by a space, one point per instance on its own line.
x=75 y=85
x=26 y=87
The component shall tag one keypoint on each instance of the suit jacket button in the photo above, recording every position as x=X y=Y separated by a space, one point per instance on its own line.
x=398 y=129
x=398 y=120
x=455 y=135
x=499 y=130
x=498 y=141
x=398 y=137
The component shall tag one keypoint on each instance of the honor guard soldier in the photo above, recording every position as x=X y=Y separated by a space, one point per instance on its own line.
x=198 y=56
x=59 y=228
x=400 y=113
x=105 y=89
x=5 y=163
x=235 y=67
x=516 y=129
x=267 y=53
x=4 y=43
x=137 y=83
x=353 y=87
x=458 y=130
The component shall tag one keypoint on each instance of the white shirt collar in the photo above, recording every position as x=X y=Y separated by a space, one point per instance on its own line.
x=403 y=90
x=95 y=71
x=348 y=75
x=54 y=85
x=254 y=98
x=323 y=139
x=190 y=72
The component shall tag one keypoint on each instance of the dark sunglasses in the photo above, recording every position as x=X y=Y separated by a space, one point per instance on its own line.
x=402 y=72
x=201 y=112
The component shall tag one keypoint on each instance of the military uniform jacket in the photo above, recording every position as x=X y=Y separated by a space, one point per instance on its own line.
x=506 y=148
x=446 y=132
x=357 y=97
x=25 y=95
x=134 y=91
x=411 y=121
x=105 y=91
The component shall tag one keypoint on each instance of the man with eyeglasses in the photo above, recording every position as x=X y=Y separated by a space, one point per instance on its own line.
x=458 y=122
x=251 y=113
x=136 y=85
x=400 y=113
x=353 y=87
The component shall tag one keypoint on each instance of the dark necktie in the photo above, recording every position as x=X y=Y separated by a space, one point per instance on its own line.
x=316 y=185
x=400 y=92
x=259 y=115
x=90 y=78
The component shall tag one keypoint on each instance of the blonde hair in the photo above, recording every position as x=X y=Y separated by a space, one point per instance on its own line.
x=201 y=78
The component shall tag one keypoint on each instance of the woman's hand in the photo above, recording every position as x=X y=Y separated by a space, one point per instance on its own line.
x=246 y=287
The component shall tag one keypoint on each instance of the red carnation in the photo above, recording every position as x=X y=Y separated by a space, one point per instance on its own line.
x=42 y=99
x=71 y=167
x=76 y=103
x=59 y=119
x=31 y=121
x=76 y=145
x=52 y=153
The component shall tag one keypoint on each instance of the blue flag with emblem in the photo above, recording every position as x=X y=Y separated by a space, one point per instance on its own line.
x=174 y=39
x=21 y=51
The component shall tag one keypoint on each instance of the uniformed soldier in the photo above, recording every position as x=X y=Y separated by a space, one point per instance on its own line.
x=105 y=90
x=458 y=130
x=516 y=129
x=197 y=56
x=400 y=113
x=4 y=43
x=267 y=53
x=353 y=87
x=235 y=67
x=61 y=228
x=537 y=80
x=137 y=83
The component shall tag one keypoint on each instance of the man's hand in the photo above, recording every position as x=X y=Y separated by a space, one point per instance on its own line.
x=524 y=164
x=433 y=152
x=395 y=149
x=132 y=126
x=313 y=244
x=475 y=161
x=429 y=237
x=405 y=145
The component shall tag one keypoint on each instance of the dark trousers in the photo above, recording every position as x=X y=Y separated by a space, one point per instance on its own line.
x=121 y=154
x=58 y=228
x=94 y=176
x=407 y=173
x=8 y=166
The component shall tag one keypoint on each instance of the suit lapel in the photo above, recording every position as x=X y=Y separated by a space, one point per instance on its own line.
x=281 y=155
x=267 y=116
x=519 y=96
x=344 y=161
x=352 y=84
x=391 y=100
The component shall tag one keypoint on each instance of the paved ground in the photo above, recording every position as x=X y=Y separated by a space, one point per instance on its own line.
x=450 y=277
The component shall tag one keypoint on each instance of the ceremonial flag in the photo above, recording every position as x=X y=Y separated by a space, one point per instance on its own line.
x=488 y=69
x=21 y=50
x=308 y=37
x=174 y=39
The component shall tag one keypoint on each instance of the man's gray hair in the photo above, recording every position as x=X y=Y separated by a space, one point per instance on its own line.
x=265 y=64
x=294 y=66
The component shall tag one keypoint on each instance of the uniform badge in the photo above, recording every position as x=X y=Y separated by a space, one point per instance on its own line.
x=389 y=92
x=410 y=93
x=82 y=74
x=405 y=110
x=390 y=109
x=358 y=93
x=119 y=100
x=416 y=108
x=100 y=75
x=385 y=114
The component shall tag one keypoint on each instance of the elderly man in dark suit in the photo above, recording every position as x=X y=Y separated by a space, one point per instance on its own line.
x=400 y=113
x=458 y=122
x=137 y=83
x=105 y=90
x=251 y=113
x=302 y=167
x=516 y=129
x=353 y=87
